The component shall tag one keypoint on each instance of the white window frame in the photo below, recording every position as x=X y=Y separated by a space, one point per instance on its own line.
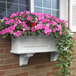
x=63 y=8
x=72 y=3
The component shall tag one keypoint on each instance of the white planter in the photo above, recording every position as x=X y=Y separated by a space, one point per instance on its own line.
x=33 y=44
x=27 y=46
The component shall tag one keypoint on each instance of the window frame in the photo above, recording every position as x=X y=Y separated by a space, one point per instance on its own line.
x=72 y=3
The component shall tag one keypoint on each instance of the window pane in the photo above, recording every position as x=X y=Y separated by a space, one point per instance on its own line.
x=13 y=1
x=55 y=13
x=38 y=3
x=47 y=11
x=11 y=8
x=2 y=10
x=22 y=8
x=2 y=15
x=55 y=4
x=47 y=3
x=25 y=2
x=2 y=0
x=37 y=9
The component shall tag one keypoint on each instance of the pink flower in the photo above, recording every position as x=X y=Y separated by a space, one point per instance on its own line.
x=28 y=28
x=39 y=26
x=41 y=17
x=15 y=25
x=32 y=29
x=21 y=13
x=59 y=27
x=19 y=21
x=60 y=32
x=23 y=30
x=54 y=30
x=7 y=22
x=5 y=18
x=58 y=20
x=17 y=13
x=11 y=20
x=18 y=33
x=27 y=12
x=47 y=26
x=44 y=20
x=29 y=18
x=47 y=31
x=12 y=15
x=4 y=31
x=49 y=22
x=64 y=32
x=24 y=26
x=11 y=31
x=64 y=21
x=16 y=19
x=11 y=28
x=54 y=23
x=48 y=16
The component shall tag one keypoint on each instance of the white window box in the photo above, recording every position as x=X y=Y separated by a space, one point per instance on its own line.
x=28 y=46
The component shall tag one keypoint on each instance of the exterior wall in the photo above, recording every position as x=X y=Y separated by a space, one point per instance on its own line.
x=39 y=64
x=73 y=68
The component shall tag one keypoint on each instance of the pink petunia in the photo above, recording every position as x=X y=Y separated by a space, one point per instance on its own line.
x=47 y=31
x=60 y=32
x=29 y=18
x=5 y=18
x=64 y=32
x=18 y=33
x=4 y=31
x=54 y=23
x=39 y=26
x=17 y=13
x=13 y=15
x=27 y=12
x=32 y=29
x=54 y=30
x=21 y=13
x=47 y=26
x=59 y=27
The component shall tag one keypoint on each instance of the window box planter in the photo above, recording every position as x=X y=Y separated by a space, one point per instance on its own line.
x=27 y=46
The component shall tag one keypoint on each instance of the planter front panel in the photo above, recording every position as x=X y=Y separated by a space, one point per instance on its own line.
x=33 y=44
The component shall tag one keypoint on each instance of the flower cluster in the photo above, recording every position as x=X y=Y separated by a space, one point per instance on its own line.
x=23 y=22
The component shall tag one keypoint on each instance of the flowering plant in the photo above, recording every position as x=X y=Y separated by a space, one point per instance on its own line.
x=26 y=23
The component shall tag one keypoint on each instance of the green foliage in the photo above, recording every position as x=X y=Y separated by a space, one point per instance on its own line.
x=65 y=45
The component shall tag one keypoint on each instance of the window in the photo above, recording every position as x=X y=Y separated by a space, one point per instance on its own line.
x=57 y=8
x=47 y=6
x=9 y=6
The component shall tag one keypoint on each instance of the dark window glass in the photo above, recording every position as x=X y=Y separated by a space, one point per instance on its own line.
x=2 y=9
x=2 y=0
x=11 y=6
x=13 y=1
